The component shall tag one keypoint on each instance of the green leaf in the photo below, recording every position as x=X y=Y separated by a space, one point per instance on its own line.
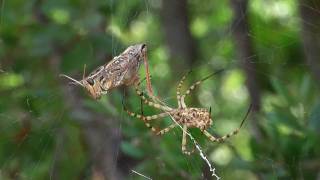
x=314 y=119
x=131 y=150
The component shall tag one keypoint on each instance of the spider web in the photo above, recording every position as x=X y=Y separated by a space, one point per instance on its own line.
x=196 y=144
x=52 y=134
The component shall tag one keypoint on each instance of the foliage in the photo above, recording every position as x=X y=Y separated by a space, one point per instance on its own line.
x=35 y=120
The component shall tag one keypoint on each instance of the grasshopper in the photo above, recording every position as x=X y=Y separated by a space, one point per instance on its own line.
x=121 y=70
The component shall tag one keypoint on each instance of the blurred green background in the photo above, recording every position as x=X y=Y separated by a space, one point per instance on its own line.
x=50 y=129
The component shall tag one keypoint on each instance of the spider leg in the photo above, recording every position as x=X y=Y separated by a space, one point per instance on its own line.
x=141 y=107
x=223 y=138
x=194 y=85
x=145 y=119
x=179 y=88
x=220 y=139
x=184 y=141
x=152 y=99
x=167 y=129
x=149 y=102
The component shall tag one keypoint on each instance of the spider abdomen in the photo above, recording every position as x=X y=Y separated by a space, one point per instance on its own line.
x=193 y=117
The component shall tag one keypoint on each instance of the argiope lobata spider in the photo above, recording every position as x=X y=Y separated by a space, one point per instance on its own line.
x=187 y=117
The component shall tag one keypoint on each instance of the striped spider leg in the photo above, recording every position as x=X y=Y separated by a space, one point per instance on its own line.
x=167 y=111
x=187 y=117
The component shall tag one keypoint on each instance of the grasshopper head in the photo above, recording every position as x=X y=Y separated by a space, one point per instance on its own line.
x=90 y=84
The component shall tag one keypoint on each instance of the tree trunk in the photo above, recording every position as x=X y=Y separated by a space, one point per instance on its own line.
x=100 y=133
x=181 y=44
x=310 y=21
x=244 y=50
x=177 y=34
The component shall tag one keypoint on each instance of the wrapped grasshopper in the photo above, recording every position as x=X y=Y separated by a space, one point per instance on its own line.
x=121 y=70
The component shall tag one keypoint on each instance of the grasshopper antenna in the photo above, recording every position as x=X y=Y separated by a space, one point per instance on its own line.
x=73 y=80
x=84 y=71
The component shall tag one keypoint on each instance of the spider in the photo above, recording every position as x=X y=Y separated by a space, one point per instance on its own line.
x=186 y=117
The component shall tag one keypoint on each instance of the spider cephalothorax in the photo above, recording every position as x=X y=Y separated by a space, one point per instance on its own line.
x=186 y=117
x=121 y=70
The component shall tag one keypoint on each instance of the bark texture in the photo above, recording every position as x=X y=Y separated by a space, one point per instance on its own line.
x=310 y=21
x=181 y=44
x=246 y=53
